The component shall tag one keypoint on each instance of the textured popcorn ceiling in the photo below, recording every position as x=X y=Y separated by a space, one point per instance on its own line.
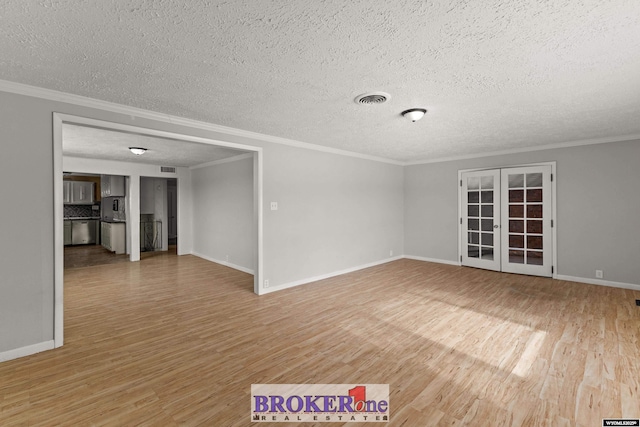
x=95 y=143
x=494 y=74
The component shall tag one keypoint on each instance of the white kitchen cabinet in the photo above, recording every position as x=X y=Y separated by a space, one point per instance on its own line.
x=66 y=198
x=67 y=233
x=112 y=186
x=113 y=236
x=81 y=192
x=78 y=192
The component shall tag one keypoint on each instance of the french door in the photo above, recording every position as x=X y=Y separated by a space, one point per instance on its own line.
x=507 y=220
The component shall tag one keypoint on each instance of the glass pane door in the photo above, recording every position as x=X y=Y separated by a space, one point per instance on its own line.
x=526 y=211
x=481 y=219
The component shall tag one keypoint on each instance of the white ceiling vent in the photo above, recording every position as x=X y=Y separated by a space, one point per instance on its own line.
x=372 y=98
x=168 y=169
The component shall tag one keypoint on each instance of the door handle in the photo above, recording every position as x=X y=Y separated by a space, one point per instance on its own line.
x=496 y=226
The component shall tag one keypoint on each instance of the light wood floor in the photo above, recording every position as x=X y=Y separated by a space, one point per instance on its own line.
x=90 y=255
x=179 y=341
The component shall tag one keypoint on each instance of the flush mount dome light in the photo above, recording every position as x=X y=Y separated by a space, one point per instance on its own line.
x=414 y=114
x=138 y=151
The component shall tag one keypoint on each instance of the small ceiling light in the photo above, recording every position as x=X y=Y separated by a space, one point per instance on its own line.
x=138 y=150
x=414 y=114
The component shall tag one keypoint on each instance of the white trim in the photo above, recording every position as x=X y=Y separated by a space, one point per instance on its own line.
x=258 y=199
x=554 y=216
x=27 y=350
x=225 y=263
x=435 y=260
x=58 y=235
x=140 y=130
x=567 y=144
x=327 y=276
x=222 y=161
x=53 y=95
x=599 y=282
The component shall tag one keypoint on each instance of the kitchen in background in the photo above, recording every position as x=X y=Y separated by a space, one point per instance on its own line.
x=81 y=209
x=94 y=215
x=114 y=215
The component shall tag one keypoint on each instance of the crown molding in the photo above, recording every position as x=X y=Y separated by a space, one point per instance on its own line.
x=567 y=144
x=54 y=95
x=221 y=161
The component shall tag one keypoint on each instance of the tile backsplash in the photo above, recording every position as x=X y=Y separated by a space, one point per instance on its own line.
x=108 y=213
x=80 y=211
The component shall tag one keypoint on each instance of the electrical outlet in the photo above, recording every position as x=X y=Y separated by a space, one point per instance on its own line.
x=391 y=253
x=274 y=206
x=266 y=283
x=599 y=274
x=226 y=258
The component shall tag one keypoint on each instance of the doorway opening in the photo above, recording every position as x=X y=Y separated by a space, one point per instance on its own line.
x=172 y=207
x=99 y=158
x=507 y=219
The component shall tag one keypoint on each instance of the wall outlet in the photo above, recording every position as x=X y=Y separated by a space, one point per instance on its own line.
x=266 y=283
x=274 y=206
x=391 y=252
x=599 y=274
x=226 y=258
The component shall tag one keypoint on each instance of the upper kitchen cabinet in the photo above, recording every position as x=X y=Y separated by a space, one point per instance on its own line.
x=67 y=192
x=78 y=192
x=112 y=186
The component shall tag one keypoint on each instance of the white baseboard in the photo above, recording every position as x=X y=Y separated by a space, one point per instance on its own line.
x=326 y=276
x=438 y=261
x=26 y=351
x=225 y=263
x=599 y=282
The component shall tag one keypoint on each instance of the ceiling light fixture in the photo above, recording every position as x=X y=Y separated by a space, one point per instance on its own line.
x=138 y=151
x=414 y=114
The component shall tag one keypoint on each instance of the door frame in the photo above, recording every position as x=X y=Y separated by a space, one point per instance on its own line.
x=554 y=205
x=58 y=120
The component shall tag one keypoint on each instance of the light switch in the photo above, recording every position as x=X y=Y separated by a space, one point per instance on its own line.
x=274 y=206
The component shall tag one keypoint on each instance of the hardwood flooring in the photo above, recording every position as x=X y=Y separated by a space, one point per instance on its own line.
x=91 y=255
x=179 y=340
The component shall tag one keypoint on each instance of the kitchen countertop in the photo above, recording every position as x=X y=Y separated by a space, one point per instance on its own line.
x=73 y=218
x=113 y=220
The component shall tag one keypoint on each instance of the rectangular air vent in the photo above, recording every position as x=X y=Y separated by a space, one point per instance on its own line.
x=168 y=169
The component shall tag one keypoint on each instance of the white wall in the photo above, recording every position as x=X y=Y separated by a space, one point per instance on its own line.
x=153 y=200
x=223 y=213
x=598 y=222
x=147 y=196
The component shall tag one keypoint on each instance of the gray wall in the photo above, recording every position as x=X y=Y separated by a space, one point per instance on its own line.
x=223 y=212
x=598 y=222
x=335 y=213
x=26 y=229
